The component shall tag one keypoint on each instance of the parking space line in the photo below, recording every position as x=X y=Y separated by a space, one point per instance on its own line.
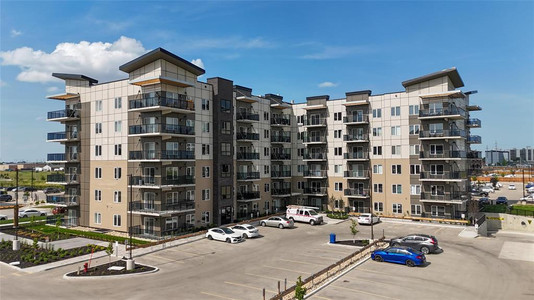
x=333 y=258
x=167 y=259
x=335 y=251
x=249 y=286
x=301 y=262
x=263 y=276
x=438 y=230
x=218 y=296
x=367 y=280
x=372 y=271
x=320 y=297
x=363 y=292
x=289 y=270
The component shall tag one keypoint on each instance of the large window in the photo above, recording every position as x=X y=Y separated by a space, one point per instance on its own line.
x=378 y=206
x=395 y=111
x=397 y=208
x=377 y=113
x=377 y=150
x=396 y=169
x=415 y=169
x=377 y=169
x=225 y=127
x=226 y=105
x=396 y=188
x=414 y=129
x=98 y=218
x=416 y=209
x=436 y=149
x=395 y=130
x=414 y=149
x=377 y=131
x=117 y=220
x=226 y=192
x=396 y=150
x=225 y=149
x=415 y=189
x=437 y=211
x=378 y=188
x=225 y=170
x=414 y=110
x=436 y=169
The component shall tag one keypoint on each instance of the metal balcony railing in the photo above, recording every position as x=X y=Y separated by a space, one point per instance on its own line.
x=315 y=190
x=52 y=136
x=63 y=113
x=247 y=116
x=442 y=133
x=444 y=154
x=158 y=181
x=165 y=154
x=181 y=103
x=314 y=121
x=443 y=175
x=355 y=138
x=68 y=200
x=248 y=155
x=443 y=196
x=248 y=196
x=356 y=192
x=55 y=178
x=282 y=191
x=55 y=157
x=281 y=120
x=314 y=155
x=474 y=139
x=248 y=136
x=474 y=154
x=356 y=155
x=356 y=173
x=279 y=174
x=356 y=119
x=281 y=155
x=315 y=173
x=452 y=111
x=161 y=128
x=475 y=123
x=248 y=175
x=314 y=139
x=281 y=138
x=156 y=207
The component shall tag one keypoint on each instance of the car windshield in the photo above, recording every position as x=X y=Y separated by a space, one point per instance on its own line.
x=250 y=227
x=284 y=218
x=227 y=230
x=313 y=213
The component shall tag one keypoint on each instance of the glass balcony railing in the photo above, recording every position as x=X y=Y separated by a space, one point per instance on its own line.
x=452 y=111
x=281 y=155
x=474 y=123
x=314 y=121
x=356 y=174
x=247 y=136
x=357 y=192
x=474 y=139
x=356 y=155
x=441 y=196
x=314 y=139
x=55 y=157
x=442 y=154
x=68 y=200
x=166 y=154
x=156 y=207
x=248 y=155
x=315 y=173
x=165 y=181
x=356 y=119
x=280 y=191
x=280 y=174
x=240 y=116
x=248 y=195
x=315 y=155
x=248 y=175
x=315 y=190
x=281 y=120
x=161 y=128
x=356 y=138
x=445 y=175
x=281 y=138
x=63 y=113
x=181 y=103
x=442 y=133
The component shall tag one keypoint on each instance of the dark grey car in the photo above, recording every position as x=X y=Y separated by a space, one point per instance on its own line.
x=6 y=197
x=421 y=242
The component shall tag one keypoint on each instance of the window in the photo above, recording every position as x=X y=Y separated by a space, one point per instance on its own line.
x=266 y=188
x=98 y=173
x=118 y=173
x=205 y=219
x=338 y=186
x=206 y=194
x=118 y=126
x=98 y=218
x=337 y=116
x=205 y=104
x=225 y=149
x=205 y=149
x=206 y=172
x=414 y=129
x=226 y=192
x=117 y=197
x=300 y=185
x=98 y=105
x=397 y=208
x=415 y=189
x=226 y=105
x=266 y=151
x=205 y=127
x=414 y=110
x=338 y=151
x=337 y=134
x=300 y=168
x=338 y=169
x=396 y=150
x=98 y=195
x=225 y=170
x=396 y=188
x=117 y=220
x=436 y=129
x=300 y=119
x=414 y=149
x=437 y=211
x=416 y=209
x=437 y=190
x=266 y=133
x=396 y=169
x=377 y=150
x=190 y=219
x=118 y=149
x=436 y=149
x=395 y=130
x=98 y=150
x=377 y=169
x=435 y=108
x=266 y=169
x=225 y=128
x=98 y=127
x=378 y=188
x=266 y=116
x=118 y=103
x=436 y=169
x=378 y=206
x=377 y=131
x=395 y=111
x=377 y=113
x=415 y=169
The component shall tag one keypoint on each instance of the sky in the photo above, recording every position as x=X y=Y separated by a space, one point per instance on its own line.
x=292 y=48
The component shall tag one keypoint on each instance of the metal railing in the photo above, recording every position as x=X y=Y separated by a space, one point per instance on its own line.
x=248 y=155
x=248 y=175
x=355 y=137
x=314 y=121
x=452 y=111
x=314 y=139
x=64 y=221
x=315 y=173
x=165 y=154
x=181 y=103
x=356 y=173
x=474 y=154
x=281 y=120
x=63 y=113
x=281 y=138
x=314 y=155
x=282 y=191
x=248 y=196
x=158 y=181
x=356 y=155
x=247 y=116
x=152 y=207
x=315 y=191
x=442 y=133
x=278 y=174
x=51 y=136
x=281 y=155
x=443 y=154
x=247 y=136
x=474 y=123
x=443 y=175
x=161 y=128
x=356 y=119
x=474 y=139
x=445 y=196
x=55 y=157
x=356 y=192
x=68 y=200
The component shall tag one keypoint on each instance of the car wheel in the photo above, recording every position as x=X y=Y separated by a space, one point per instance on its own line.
x=312 y=222
x=25 y=216
x=228 y=240
x=425 y=250
x=410 y=263
x=42 y=215
x=281 y=226
x=263 y=224
x=210 y=237
x=245 y=236
x=2 y=219
x=379 y=258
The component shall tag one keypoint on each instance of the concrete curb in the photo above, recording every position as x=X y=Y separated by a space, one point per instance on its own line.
x=156 y=269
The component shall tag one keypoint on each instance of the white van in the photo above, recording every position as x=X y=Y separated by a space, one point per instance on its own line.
x=303 y=214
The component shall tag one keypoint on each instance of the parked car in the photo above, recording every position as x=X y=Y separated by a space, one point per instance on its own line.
x=399 y=255
x=484 y=201
x=303 y=214
x=529 y=198
x=529 y=185
x=59 y=210
x=29 y=189
x=366 y=219
x=487 y=189
x=246 y=230
x=224 y=234
x=530 y=189
x=6 y=198
x=10 y=189
x=3 y=217
x=511 y=186
x=51 y=190
x=31 y=212
x=477 y=192
x=280 y=222
x=421 y=242
x=502 y=200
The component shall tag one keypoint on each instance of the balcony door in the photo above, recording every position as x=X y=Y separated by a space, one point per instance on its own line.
x=150 y=223
x=150 y=150
x=148 y=200
x=357 y=116
x=150 y=124
x=149 y=175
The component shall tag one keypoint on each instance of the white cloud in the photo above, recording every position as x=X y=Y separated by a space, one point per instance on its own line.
x=15 y=33
x=228 y=43
x=52 y=89
x=327 y=84
x=99 y=60
x=198 y=62
x=330 y=52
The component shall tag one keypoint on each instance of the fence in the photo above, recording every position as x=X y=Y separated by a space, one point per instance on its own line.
x=316 y=280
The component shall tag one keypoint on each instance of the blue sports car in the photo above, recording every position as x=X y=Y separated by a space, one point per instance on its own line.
x=400 y=255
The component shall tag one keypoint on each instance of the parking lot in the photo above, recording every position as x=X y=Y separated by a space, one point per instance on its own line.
x=217 y=270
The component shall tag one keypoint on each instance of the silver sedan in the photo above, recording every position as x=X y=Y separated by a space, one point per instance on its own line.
x=280 y=222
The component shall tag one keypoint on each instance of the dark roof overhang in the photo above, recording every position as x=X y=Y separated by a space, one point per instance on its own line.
x=452 y=73
x=161 y=53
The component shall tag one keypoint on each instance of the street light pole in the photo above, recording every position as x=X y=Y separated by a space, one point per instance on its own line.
x=130 y=204
x=16 y=243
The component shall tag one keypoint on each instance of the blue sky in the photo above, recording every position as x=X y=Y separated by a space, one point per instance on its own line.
x=295 y=49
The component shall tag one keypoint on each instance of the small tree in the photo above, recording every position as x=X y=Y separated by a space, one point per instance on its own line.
x=331 y=202
x=109 y=251
x=300 y=291
x=353 y=229
x=494 y=180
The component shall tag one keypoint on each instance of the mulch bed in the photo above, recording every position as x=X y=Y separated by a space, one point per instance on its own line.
x=28 y=234
x=102 y=270
x=359 y=243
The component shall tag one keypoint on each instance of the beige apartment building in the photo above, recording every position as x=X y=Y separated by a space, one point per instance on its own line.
x=175 y=152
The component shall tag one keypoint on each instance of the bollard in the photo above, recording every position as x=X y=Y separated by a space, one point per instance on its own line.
x=78 y=271
x=263 y=293
x=278 y=286
x=285 y=284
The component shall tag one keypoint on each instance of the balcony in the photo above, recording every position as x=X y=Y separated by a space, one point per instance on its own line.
x=443 y=176
x=62 y=136
x=315 y=173
x=281 y=138
x=162 y=155
x=474 y=154
x=248 y=175
x=321 y=139
x=247 y=136
x=156 y=209
x=248 y=155
x=355 y=120
x=62 y=178
x=361 y=138
x=281 y=120
x=248 y=196
x=63 y=115
x=182 y=104
x=315 y=191
x=356 y=174
x=247 y=117
x=161 y=129
x=474 y=139
x=356 y=156
x=314 y=156
x=357 y=193
x=427 y=155
x=314 y=122
x=473 y=107
x=474 y=123
x=55 y=157
x=283 y=192
x=451 y=113
x=451 y=198
x=158 y=182
x=281 y=155
x=442 y=134
x=280 y=174
x=63 y=200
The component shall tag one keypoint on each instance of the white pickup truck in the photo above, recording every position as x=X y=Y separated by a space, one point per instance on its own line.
x=303 y=214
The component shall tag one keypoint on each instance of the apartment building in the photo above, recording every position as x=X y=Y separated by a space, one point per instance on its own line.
x=177 y=153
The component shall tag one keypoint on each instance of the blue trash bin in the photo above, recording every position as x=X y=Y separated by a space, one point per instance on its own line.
x=332 y=238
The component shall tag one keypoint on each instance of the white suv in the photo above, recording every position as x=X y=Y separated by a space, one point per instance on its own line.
x=303 y=214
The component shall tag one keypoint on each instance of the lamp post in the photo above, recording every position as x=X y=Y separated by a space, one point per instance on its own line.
x=130 y=264
x=16 y=242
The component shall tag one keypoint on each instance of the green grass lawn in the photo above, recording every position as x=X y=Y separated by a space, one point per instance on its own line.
x=7 y=179
x=524 y=207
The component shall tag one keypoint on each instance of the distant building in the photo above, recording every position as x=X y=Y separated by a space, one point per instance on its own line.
x=522 y=155
x=494 y=157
